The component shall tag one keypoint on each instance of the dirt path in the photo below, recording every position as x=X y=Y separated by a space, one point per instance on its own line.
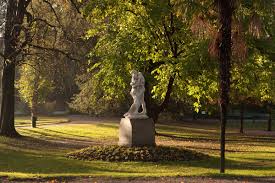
x=84 y=119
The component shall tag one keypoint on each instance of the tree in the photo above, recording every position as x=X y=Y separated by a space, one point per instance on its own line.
x=252 y=33
x=252 y=82
x=230 y=33
x=15 y=14
x=58 y=46
x=226 y=9
x=20 y=28
x=160 y=46
x=33 y=87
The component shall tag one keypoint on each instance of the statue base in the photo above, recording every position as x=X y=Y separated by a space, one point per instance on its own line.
x=136 y=132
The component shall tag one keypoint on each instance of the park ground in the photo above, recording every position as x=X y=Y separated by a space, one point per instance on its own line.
x=39 y=156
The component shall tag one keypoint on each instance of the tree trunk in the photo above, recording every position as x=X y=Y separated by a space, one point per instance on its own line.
x=7 y=109
x=150 y=105
x=33 y=117
x=225 y=8
x=8 y=76
x=241 y=117
x=154 y=110
x=13 y=20
x=34 y=103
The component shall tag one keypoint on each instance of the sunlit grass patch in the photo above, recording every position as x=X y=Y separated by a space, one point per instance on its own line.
x=72 y=131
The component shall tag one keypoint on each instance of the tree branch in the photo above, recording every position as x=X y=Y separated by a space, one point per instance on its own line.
x=167 y=34
x=53 y=10
x=75 y=6
x=44 y=21
x=54 y=50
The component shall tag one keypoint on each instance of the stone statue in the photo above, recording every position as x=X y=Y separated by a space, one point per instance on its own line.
x=137 y=92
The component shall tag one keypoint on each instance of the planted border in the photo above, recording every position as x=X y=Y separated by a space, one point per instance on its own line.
x=119 y=153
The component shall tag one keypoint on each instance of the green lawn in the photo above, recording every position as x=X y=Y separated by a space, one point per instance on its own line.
x=41 y=152
x=25 y=121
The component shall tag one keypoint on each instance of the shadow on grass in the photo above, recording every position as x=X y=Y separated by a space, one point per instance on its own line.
x=13 y=161
x=213 y=163
x=31 y=143
x=245 y=140
x=36 y=164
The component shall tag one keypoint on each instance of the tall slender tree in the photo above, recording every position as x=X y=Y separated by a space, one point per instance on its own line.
x=226 y=8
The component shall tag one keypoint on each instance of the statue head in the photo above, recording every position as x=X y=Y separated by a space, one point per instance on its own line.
x=134 y=72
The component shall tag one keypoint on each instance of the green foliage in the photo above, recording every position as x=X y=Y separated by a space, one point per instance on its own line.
x=57 y=50
x=33 y=87
x=163 y=39
x=119 y=153
x=253 y=79
x=98 y=95
x=153 y=37
x=253 y=75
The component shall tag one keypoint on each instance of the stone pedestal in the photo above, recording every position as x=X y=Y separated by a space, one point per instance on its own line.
x=136 y=132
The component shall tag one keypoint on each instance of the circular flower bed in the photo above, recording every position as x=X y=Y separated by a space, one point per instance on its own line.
x=119 y=153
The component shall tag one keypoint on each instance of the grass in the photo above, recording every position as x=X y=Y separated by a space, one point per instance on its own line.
x=251 y=124
x=41 y=152
x=24 y=121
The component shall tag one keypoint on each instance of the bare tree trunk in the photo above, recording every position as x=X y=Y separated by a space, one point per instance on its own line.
x=34 y=103
x=33 y=116
x=225 y=9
